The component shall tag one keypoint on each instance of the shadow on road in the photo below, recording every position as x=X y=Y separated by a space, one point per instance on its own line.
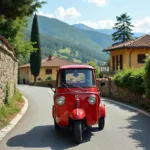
x=46 y=136
x=139 y=129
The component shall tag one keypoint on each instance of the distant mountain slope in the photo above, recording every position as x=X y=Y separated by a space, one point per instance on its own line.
x=105 y=31
x=56 y=35
x=83 y=27
x=52 y=45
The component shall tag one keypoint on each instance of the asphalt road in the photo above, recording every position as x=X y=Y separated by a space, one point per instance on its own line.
x=125 y=129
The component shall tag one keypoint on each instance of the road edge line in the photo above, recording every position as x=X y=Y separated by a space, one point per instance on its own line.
x=130 y=107
x=4 y=131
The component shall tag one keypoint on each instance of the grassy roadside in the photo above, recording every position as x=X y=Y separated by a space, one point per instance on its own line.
x=9 y=111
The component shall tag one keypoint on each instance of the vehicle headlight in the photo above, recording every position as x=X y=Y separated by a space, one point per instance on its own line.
x=92 y=100
x=61 y=100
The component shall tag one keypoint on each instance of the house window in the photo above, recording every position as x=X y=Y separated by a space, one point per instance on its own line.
x=121 y=62
x=48 y=71
x=113 y=62
x=141 y=58
x=117 y=62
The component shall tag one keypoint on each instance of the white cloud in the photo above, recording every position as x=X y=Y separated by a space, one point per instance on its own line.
x=41 y=13
x=106 y=24
x=61 y=13
x=98 y=2
x=102 y=24
x=142 y=25
x=90 y=24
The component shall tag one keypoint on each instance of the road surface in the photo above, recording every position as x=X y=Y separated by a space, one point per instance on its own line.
x=125 y=129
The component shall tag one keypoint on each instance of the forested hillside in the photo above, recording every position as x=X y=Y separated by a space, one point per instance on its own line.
x=68 y=42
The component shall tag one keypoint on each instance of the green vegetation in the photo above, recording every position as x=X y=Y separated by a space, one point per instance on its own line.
x=13 y=20
x=65 y=50
x=97 y=69
x=84 y=45
x=132 y=79
x=50 y=77
x=7 y=97
x=147 y=77
x=123 y=31
x=76 y=60
x=8 y=111
x=35 y=57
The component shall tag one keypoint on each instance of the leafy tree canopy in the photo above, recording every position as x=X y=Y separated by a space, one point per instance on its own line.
x=122 y=28
x=95 y=66
x=147 y=77
x=13 y=20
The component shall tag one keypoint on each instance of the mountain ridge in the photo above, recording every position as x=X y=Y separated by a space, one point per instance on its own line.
x=57 y=35
x=105 y=31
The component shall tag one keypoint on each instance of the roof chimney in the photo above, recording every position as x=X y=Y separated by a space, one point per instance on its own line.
x=49 y=57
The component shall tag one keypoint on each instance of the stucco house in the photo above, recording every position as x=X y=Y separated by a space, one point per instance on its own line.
x=130 y=54
x=49 y=66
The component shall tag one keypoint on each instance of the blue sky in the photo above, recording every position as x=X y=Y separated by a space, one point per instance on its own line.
x=99 y=13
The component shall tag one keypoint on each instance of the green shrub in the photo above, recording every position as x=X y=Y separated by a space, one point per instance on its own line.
x=147 y=77
x=132 y=79
x=50 y=77
x=137 y=81
x=95 y=66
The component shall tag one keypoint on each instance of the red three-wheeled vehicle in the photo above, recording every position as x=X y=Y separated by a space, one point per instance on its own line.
x=77 y=100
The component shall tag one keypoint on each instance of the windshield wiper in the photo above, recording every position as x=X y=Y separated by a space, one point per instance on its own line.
x=66 y=86
x=78 y=87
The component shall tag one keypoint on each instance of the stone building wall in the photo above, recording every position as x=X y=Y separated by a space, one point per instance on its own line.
x=8 y=69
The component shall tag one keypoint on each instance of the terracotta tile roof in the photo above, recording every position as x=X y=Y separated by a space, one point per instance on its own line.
x=52 y=62
x=141 y=42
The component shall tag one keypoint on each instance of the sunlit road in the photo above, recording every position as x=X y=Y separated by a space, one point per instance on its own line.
x=125 y=129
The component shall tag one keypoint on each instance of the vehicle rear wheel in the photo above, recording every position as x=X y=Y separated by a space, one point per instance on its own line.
x=101 y=123
x=77 y=131
x=57 y=127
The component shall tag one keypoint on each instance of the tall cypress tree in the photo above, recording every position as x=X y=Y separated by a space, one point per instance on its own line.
x=123 y=31
x=35 y=57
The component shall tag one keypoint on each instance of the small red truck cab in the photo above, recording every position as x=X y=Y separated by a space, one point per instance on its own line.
x=77 y=101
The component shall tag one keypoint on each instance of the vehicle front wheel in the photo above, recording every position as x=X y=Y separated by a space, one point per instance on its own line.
x=101 y=123
x=57 y=127
x=77 y=131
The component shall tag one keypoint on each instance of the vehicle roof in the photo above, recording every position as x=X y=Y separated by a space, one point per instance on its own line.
x=76 y=66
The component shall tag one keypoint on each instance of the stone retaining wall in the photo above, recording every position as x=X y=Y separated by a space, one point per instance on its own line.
x=110 y=90
x=44 y=83
x=121 y=94
x=8 y=69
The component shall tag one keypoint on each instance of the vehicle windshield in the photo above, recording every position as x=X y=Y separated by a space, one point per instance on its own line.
x=72 y=78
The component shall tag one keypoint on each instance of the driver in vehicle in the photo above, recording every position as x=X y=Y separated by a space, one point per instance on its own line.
x=75 y=78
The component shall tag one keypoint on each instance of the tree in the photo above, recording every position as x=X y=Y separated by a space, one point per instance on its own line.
x=108 y=62
x=147 y=77
x=35 y=56
x=123 y=31
x=94 y=65
x=13 y=20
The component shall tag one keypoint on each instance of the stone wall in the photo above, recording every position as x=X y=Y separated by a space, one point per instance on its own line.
x=110 y=90
x=44 y=83
x=8 y=69
x=121 y=94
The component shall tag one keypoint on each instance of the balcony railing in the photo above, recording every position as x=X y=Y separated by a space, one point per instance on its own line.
x=106 y=70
